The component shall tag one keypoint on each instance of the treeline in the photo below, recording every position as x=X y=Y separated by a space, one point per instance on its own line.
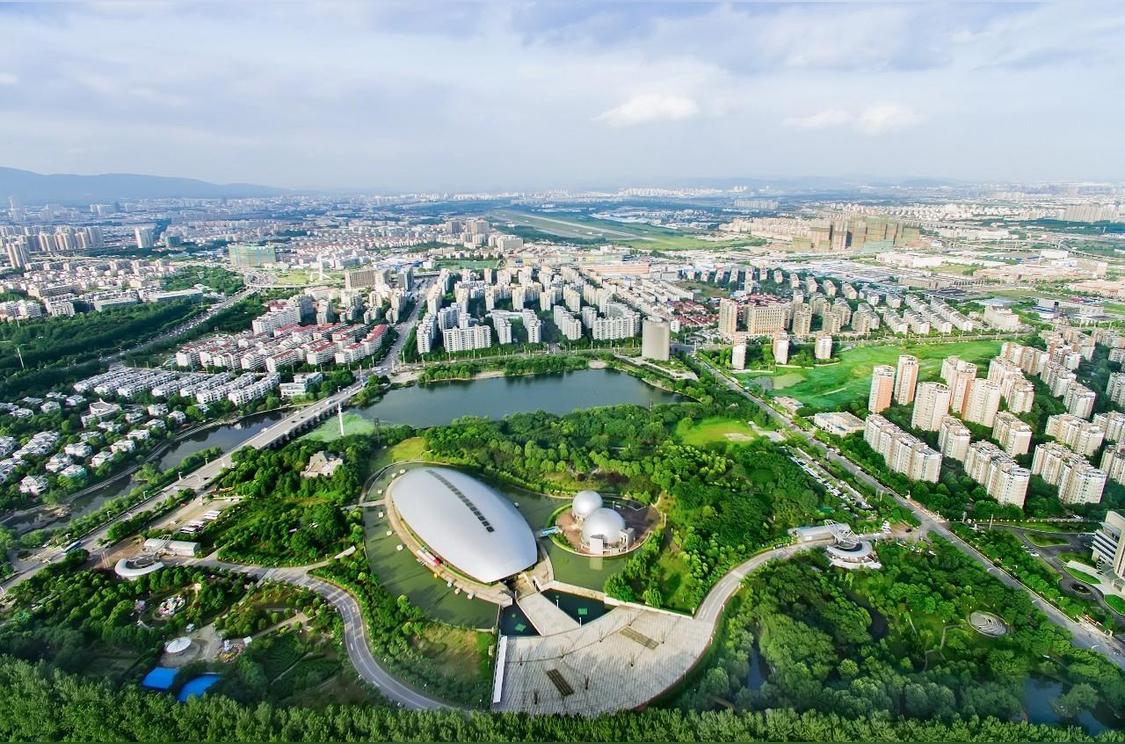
x=40 y=705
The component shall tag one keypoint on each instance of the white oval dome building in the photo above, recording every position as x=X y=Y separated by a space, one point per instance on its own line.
x=604 y=527
x=464 y=522
x=585 y=503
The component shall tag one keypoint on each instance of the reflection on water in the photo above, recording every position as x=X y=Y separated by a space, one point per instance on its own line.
x=1040 y=692
x=227 y=437
x=434 y=405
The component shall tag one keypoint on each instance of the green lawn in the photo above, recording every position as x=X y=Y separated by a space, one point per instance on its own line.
x=832 y=387
x=1117 y=603
x=1045 y=540
x=1083 y=576
x=714 y=429
x=639 y=235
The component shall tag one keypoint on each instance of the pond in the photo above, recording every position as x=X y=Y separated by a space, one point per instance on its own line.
x=580 y=609
x=433 y=405
x=1040 y=692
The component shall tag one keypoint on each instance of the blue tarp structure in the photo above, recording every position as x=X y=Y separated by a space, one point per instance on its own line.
x=160 y=678
x=197 y=686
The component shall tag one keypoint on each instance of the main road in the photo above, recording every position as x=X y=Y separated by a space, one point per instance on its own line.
x=1084 y=634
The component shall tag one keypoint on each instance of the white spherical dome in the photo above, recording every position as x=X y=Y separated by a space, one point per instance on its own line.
x=585 y=503
x=604 y=523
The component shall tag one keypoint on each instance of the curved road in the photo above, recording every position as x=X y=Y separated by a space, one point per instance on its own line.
x=355 y=630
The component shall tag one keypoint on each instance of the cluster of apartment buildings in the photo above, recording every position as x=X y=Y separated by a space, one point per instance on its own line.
x=901 y=451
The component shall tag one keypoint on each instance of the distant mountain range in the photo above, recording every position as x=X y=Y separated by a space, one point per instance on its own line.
x=68 y=188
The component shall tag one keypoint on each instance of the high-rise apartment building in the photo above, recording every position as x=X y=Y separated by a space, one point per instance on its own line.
x=882 y=388
x=1113 y=462
x=1022 y=396
x=906 y=379
x=953 y=439
x=1113 y=424
x=958 y=376
x=931 y=404
x=982 y=401
x=822 y=347
x=656 y=340
x=1002 y=477
x=903 y=452
x=781 y=347
x=1013 y=434
x=1078 y=481
x=801 y=325
x=738 y=356
x=764 y=316
x=1079 y=400
x=1082 y=436
x=728 y=318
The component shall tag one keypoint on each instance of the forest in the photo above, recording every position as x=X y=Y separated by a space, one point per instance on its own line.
x=87 y=710
x=896 y=641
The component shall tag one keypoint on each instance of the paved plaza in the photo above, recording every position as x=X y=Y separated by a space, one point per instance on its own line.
x=620 y=661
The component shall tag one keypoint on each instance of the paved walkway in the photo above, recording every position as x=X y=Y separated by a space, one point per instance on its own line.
x=545 y=616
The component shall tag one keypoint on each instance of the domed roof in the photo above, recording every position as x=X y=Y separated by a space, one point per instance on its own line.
x=604 y=523
x=585 y=502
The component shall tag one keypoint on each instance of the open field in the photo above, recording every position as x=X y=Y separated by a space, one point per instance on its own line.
x=832 y=387
x=712 y=430
x=643 y=236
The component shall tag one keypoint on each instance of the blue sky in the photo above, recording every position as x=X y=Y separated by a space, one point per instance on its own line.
x=491 y=95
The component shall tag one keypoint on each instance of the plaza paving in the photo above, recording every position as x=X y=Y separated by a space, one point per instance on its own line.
x=620 y=661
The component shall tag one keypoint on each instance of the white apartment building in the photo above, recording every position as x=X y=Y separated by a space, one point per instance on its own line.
x=1113 y=424
x=931 y=404
x=1078 y=481
x=958 y=376
x=1003 y=479
x=981 y=402
x=953 y=439
x=903 y=452
x=467 y=339
x=1013 y=434
x=906 y=379
x=1079 y=400
x=1113 y=462
x=1082 y=436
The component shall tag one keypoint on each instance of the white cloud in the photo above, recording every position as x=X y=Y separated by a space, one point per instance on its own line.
x=820 y=120
x=885 y=117
x=7 y=78
x=647 y=108
x=882 y=117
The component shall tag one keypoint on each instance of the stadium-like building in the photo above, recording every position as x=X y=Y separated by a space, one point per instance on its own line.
x=464 y=522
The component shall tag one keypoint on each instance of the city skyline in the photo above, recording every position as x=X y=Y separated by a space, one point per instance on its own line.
x=528 y=96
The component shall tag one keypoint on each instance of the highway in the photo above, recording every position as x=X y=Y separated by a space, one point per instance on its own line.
x=1084 y=635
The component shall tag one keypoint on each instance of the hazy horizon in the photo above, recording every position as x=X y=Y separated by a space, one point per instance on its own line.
x=481 y=96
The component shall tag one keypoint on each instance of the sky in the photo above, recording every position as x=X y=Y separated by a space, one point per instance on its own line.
x=439 y=96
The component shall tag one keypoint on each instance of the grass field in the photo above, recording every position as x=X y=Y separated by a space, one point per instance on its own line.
x=641 y=236
x=832 y=387
x=712 y=430
x=406 y=450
